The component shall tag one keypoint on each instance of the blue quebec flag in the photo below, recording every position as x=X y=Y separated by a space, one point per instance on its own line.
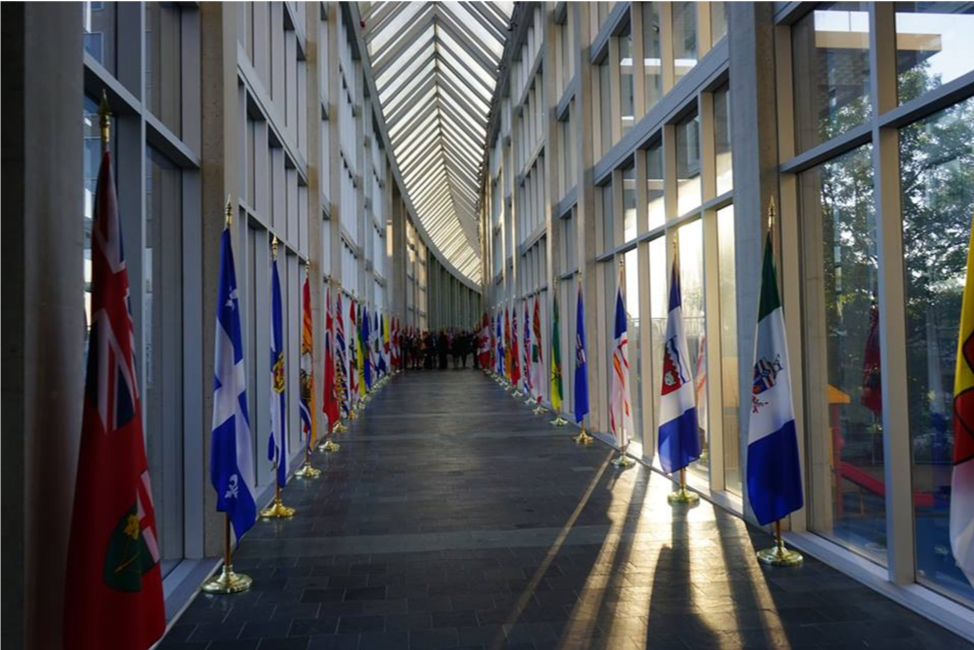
x=277 y=441
x=231 y=458
x=581 y=364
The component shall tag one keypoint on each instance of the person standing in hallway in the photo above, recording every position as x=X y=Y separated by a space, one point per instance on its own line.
x=442 y=348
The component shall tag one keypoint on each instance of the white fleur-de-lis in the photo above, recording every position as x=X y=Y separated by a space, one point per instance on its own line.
x=233 y=491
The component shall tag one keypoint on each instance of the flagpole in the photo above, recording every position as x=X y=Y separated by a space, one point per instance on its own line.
x=583 y=438
x=777 y=555
x=229 y=581
x=307 y=471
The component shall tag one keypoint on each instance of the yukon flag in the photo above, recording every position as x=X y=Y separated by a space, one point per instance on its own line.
x=277 y=440
x=231 y=457
x=679 y=440
x=774 y=480
x=113 y=593
x=962 y=483
x=620 y=402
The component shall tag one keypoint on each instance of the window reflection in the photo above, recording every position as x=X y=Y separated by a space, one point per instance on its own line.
x=658 y=311
x=652 y=54
x=99 y=32
x=688 y=188
x=830 y=48
x=634 y=332
x=936 y=156
x=654 y=185
x=684 y=37
x=627 y=108
x=690 y=242
x=933 y=45
x=629 y=202
x=722 y=140
x=727 y=288
x=844 y=369
x=718 y=21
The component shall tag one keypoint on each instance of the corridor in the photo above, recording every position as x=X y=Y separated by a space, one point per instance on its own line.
x=454 y=518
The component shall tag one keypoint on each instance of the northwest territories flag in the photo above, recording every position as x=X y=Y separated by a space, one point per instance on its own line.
x=679 y=442
x=581 y=364
x=774 y=481
x=277 y=441
x=231 y=459
x=962 y=481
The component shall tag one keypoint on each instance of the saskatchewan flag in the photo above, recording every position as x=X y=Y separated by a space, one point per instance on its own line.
x=556 y=394
x=774 y=479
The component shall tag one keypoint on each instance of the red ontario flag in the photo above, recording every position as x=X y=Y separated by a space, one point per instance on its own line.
x=113 y=597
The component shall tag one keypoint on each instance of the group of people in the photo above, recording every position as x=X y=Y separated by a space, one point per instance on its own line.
x=430 y=350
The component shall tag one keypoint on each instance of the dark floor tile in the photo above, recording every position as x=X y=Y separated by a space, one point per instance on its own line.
x=433 y=639
x=366 y=593
x=358 y=624
x=313 y=626
x=454 y=619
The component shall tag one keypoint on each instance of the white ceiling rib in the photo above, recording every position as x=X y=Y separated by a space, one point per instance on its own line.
x=436 y=68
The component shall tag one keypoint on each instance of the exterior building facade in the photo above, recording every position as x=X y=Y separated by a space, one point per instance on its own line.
x=625 y=133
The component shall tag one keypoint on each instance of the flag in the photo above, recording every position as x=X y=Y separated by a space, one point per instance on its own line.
x=485 y=342
x=277 y=440
x=515 y=360
x=620 y=404
x=556 y=394
x=366 y=343
x=307 y=401
x=581 y=363
x=528 y=385
x=500 y=344
x=872 y=376
x=353 y=355
x=962 y=481
x=679 y=440
x=394 y=354
x=537 y=360
x=113 y=595
x=330 y=407
x=507 y=344
x=341 y=383
x=231 y=455
x=774 y=480
x=360 y=353
x=386 y=345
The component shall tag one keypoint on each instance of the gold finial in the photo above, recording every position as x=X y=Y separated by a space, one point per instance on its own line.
x=307 y=269
x=105 y=119
x=274 y=247
x=771 y=213
x=229 y=212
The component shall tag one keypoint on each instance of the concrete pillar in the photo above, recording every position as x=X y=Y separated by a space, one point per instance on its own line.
x=43 y=311
x=220 y=170
x=753 y=112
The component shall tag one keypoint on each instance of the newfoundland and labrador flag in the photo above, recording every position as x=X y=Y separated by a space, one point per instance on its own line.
x=774 y=480
x=962 y=482
x=113 y=592
x=679 y=440
x=620 y=402
x=277 y=440
x=231 y=458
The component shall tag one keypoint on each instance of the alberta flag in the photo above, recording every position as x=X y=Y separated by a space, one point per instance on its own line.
x=277 y=441
x=581 y=364
x=774 y=481
x=231 y=458
x=679 y=441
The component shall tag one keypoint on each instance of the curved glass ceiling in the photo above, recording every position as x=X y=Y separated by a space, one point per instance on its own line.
x=436 y=67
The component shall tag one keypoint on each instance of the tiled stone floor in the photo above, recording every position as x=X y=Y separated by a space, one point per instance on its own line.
x=454 y=518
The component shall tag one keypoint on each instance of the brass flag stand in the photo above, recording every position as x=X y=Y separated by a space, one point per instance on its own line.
x=229 y=581
x=682 y=495
x=330 y=445
x=277 y=510
x=778 y=555
x=558 y=421
x=583 y=438
x=623 y=461
x=307 y=471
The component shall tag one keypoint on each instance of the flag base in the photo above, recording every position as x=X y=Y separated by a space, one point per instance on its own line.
x=517 y=394
x=339 y=428
x=559 y=422
x=529 y=401
x=622 y=461
x=353 y=414
x=778 y=555
x=228 y=582
x=683 y=496
x=329 y=446
x=277 y=510
x=583 y=438
x=539 y=410
x=307 y=471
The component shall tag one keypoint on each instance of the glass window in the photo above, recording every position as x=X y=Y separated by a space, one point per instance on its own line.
x=688 y=187
x=684 y=38
x=727 y=279
x=718 y=21
x=936 y=156
x=163 y=64
x=652 y=54
x=100 y=19
x=844 y=399
x=92 y=163
x=654 y=185
x=722 y=140
x=633 y=331
x=830 y=48
x=658 y=309
x=933 y=45
x=629 y=202
x=690 y=242
x=162 y=315
x=605 y=107
x=607 y=217
x=626 y=105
